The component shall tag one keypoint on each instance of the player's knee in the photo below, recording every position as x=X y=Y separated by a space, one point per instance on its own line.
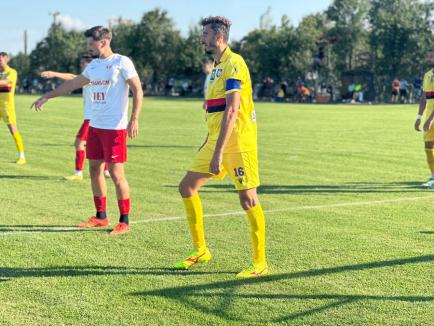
x=429 y=145
x=118 y=178
x=183 y=189
x=247 y=202
x=94 y=170
x=248 y=198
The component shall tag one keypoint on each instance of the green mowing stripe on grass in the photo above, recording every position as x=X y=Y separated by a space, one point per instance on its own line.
x=349 y=239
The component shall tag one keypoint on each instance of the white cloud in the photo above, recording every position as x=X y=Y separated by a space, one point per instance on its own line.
x=71 y=23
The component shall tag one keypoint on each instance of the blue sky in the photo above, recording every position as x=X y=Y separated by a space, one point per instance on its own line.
x=34 y=16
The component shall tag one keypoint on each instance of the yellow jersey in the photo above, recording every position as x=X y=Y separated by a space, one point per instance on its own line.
x=428 y=89
x=231 y=75
x=7 y=92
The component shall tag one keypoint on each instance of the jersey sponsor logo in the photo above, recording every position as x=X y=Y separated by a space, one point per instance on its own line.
x=100 y=82
x=219 y=73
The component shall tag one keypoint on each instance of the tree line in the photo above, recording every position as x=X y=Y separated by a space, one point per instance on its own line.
x=385 y=38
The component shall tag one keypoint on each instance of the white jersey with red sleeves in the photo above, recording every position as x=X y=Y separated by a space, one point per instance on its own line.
x=110 y=91
x=87 y=101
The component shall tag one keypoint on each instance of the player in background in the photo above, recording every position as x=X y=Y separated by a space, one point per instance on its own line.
x=8 y=81
x=81 y=137
x=206 y=68
x=231 y=147
x=112 y=76
x=426 y=110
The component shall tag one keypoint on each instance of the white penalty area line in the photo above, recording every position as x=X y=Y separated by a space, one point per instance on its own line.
x=229 y=214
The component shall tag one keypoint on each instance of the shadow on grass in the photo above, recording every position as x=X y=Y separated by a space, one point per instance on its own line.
x=226 y=292
x=426 y=232
x=7 y=273
x=353 y=187
x=29 y=177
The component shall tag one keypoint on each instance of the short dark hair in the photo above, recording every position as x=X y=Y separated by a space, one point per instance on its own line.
x=98 y=33
x=219 y=24
x=87 y=57
x=3 y=54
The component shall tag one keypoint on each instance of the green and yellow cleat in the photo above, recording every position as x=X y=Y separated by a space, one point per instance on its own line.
x=254 y=271
x=74 y=178
x=198 y=256
x=21 y=161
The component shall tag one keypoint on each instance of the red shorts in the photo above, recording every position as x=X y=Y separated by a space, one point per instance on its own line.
x=84 y=130
x=107 y=145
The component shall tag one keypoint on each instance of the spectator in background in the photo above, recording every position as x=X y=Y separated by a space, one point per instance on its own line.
x=396 y=85
x=170 y=86
x=351 y=89
x=417 y=86
x=303 y=94
x=403 y=91
x=280 y=95
x=330 y=91
x=358 y=92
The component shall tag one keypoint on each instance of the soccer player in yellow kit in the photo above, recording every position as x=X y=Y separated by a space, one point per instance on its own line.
x=426 y=108
x=8 y=81
x=231 y=148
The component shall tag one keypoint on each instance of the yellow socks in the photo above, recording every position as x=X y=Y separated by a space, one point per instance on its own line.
x=257 y=233
x=193 y=210
x=430 y=159
x=19 y=142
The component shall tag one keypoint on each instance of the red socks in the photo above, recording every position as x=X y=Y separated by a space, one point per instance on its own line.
x=124 y=210
x=79 y=160
x=100 y=206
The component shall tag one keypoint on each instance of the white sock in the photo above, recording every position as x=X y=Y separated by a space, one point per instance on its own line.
x=79 y=172
x=22 y=155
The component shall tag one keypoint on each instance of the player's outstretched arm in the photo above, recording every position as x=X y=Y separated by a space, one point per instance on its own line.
x=63 y=89
x=422 y=105
x=54 y=74
x=228 y=122
x=136 y=89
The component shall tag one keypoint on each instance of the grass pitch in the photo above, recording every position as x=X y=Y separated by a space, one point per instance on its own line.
x=350 y=234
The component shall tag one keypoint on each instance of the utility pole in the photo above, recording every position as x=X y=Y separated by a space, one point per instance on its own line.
x=54 y=14
x=25 y=42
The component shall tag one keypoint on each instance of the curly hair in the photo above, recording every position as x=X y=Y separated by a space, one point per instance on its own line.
x=219 y=24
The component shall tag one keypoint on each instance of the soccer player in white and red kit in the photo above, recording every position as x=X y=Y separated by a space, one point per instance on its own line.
x=81 y=137
x=112 y=76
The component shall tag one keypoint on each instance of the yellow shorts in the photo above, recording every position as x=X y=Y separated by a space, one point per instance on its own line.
x=8 y=116
x=241 y=167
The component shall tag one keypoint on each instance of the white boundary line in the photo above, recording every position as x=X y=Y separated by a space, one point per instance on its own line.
x=237 y=213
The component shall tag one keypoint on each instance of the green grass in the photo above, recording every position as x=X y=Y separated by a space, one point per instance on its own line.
x=369 y=260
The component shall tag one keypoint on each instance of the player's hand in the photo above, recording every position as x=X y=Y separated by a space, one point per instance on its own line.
x=133 y=129
x=215 y=164
x=417 y=124
x=47 y=74
x=39 y=103
x=427 y=125
x=204 y=106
